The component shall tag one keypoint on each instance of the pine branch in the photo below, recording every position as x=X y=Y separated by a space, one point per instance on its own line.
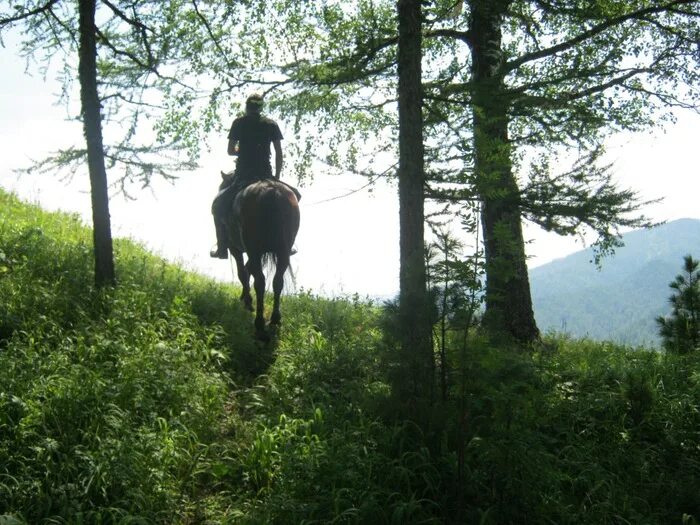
x=584 y=195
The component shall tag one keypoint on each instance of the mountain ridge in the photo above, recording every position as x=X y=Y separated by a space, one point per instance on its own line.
x=619 y=300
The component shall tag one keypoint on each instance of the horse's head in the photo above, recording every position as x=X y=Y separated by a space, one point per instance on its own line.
x=227 y=176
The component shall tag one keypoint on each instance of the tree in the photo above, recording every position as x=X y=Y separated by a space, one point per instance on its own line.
x=92 y=125
x=681 y=331
x=508 y=301
x=131 y=69
x=416 y=341
x=519 y=99
x=454 y=282
x=565 y=76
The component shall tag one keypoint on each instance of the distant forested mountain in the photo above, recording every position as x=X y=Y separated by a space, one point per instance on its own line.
x=619 y=301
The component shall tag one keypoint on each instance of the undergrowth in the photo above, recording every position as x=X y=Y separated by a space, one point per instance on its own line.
x=153 y=403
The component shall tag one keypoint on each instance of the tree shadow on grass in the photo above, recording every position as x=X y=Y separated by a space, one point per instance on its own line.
x=248 y=355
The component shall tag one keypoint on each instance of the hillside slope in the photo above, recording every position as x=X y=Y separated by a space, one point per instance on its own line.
x=619 y=301
x=152 y=403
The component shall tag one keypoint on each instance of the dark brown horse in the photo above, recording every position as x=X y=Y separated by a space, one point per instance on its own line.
x=263 y=225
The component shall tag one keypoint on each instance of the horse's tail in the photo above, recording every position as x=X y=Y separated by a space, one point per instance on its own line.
x=269 y=261
x=269 y=264
x=292 y=277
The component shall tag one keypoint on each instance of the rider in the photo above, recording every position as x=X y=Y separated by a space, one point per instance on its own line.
x=249 y=139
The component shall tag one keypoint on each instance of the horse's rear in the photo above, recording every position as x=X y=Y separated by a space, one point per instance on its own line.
x=267 y=216
x=268 y=213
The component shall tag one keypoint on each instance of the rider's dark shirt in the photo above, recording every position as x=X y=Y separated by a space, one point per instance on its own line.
x=254 y=134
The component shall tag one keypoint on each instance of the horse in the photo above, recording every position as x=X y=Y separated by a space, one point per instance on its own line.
x=263 y=224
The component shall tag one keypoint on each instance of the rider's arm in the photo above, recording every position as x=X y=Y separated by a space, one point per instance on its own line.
x=232 y=147
x=278 y=157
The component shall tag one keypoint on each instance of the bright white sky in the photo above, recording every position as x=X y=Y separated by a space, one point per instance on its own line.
x=346 y=245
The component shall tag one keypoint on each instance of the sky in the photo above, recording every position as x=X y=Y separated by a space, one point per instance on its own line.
x=347 y=244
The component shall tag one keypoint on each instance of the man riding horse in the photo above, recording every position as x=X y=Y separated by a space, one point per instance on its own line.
x=255 y=213
x=249 y=139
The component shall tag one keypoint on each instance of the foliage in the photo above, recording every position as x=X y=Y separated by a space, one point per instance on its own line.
x=455 y=283
x=570 y=74
x=518 y=101
x=153 y=403
x=146 y=74
x=518 y=98
x=681 y=332
x=621 y=422
x=109 y=400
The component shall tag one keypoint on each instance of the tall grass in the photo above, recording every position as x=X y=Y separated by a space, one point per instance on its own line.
x=153 y=403
x=108 y=400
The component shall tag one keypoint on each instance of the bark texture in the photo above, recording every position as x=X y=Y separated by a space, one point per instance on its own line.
x=508 y=302
x=92 y=128
x=416 y=340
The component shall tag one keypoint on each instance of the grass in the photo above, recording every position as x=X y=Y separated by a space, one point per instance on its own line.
x=153 y=403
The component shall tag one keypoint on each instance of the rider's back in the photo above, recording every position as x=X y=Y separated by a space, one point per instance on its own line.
x=255 y=134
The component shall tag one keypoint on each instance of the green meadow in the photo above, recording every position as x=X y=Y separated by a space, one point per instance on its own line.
x=153 y=402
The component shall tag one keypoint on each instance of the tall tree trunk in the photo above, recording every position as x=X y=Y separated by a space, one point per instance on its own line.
x=508 y=301
x=416 y=343
x=92 y=127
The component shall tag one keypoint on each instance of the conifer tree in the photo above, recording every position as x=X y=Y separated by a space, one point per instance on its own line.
x=454 y=285
x=680 y=332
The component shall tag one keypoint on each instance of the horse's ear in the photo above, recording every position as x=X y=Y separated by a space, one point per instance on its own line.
x=226 y=176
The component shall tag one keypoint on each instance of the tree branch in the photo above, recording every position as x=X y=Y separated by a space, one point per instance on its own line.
x=586 y=35
x=119 y=52
x=138 y=25
x=210 y=32
x=564 y=99
x=146 y=66
x=28 y=14
x=120 y=14
x=49 y=15
x=464 y=36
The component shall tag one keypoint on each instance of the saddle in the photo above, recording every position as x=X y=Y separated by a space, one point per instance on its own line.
x=229 y=178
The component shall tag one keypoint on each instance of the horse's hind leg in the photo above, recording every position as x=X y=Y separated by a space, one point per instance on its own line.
x=256 y=270
x=277 y=285
x=244 y=277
